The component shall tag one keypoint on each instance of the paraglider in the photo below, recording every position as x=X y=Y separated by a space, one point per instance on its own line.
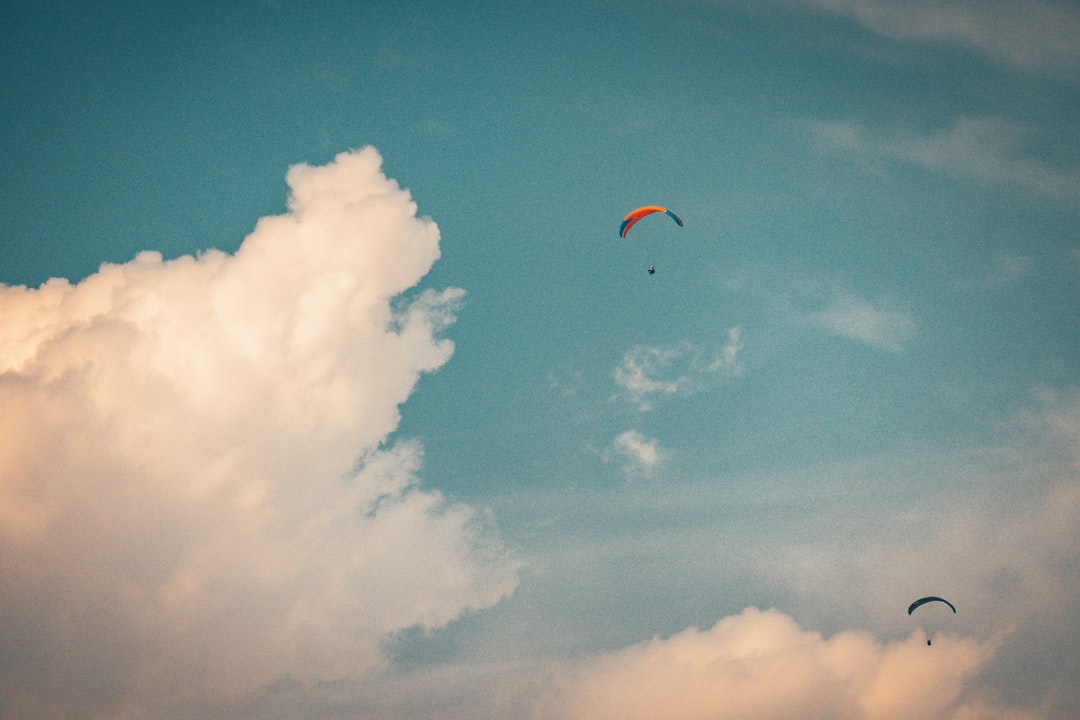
x=929 y=599
x=631 y=219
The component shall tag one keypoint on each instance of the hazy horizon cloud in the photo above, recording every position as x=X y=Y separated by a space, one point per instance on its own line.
x=761 y=664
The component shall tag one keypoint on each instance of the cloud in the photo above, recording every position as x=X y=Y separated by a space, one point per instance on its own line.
x=196 y=490
x=1035 y=35
x=993 y=528
x=648 y=372
x=990 y=150
x=641 y=455
x=846 y=546
x=761 y=664
x=843 y=546
x=852 y=317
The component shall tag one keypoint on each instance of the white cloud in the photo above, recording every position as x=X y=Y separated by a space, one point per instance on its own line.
x=844 y=546
x=641 y=455
x=1036 y=35
x=195 y=491
x=855 y=318
x=649 y=372
x=990 y=150
x=993 y=528
x=761 y=664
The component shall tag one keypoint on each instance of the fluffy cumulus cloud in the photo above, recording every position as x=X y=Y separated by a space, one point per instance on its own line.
x=197 y=494
x=646 y=372
x=762 y=664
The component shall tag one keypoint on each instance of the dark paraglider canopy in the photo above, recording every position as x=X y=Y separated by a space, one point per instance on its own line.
x=931 y=598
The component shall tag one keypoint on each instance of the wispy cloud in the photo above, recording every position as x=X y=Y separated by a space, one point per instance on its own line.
x=640 y=455
x=1036 y=35
x=989 y=150
x=564 y=380
x=855 y=318
x=193 y=468
x=646 y=372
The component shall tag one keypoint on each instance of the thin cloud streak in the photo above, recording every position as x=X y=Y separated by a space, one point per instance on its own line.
x=1034 y=35
x=852 y=317
x=989 y=150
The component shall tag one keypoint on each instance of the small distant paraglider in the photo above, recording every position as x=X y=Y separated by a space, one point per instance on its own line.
x=929 y=599
x=632 y=218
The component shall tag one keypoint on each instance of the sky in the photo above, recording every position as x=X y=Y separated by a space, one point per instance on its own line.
x=330 y=390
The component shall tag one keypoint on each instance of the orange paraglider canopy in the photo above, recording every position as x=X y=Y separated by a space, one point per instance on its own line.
x=634 y=216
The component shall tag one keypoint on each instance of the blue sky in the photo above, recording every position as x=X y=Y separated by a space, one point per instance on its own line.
x=415 y=407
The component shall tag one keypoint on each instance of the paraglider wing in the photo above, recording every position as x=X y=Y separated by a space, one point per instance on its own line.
x=923 y=601
x=634 y=216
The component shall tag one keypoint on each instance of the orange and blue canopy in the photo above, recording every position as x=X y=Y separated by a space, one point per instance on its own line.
x=634 y=216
